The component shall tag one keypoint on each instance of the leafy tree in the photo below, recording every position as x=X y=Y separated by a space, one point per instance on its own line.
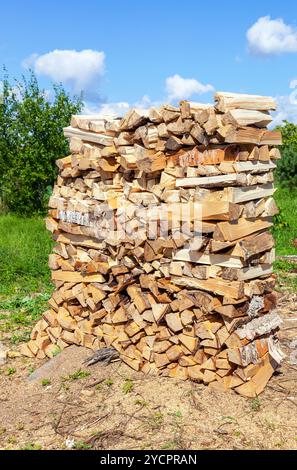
x=286 y=174
x=289 y=133
x=31 y=139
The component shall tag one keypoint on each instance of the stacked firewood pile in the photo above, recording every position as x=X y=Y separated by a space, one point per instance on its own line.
x=163 y=250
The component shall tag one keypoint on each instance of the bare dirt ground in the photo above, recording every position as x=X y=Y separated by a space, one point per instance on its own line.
x=115 y=408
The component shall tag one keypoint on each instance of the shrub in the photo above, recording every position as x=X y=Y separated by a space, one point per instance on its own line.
x=31 y=139
x=286 y=174
x=289 y=133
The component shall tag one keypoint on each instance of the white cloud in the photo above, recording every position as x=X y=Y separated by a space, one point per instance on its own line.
x=271 y=37
x=120 y=108
x=13 y=90
x=179 y=88
x=80 y=70
x=145 y=103
x=286 y=110
x=29 y=61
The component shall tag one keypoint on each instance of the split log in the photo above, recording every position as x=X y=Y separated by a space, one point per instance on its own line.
x=246 y=117
x=226 y=101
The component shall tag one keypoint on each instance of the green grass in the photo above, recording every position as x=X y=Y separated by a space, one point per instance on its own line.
x=128 y=386
x=77 y=375
x=285 y=230
x=32 y=446
x=25 y=285
x=286 y=275
x=24 y=248
x=11 y=371
x=81 y=445
x=255 y=404
x=45 y=382
x=108 y=382
x=19 y=314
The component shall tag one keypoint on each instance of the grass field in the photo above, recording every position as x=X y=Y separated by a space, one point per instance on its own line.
x=285 y=232
x=25 y=283
x=24 y=248
x=286 y=222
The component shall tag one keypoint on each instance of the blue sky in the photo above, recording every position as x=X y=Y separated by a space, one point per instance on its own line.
x=142 y=44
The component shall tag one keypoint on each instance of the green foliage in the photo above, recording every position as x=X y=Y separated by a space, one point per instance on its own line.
x=56 y=351
x=77 y=375
x=287 y=166
x=279 y=221
x=31 y=369
x=286 y=173
x=109 y=382
x=286 y=275
x=22 y=337
x=23 y=312
x=285 y=266
x=32 y=446
x=255 y=404
x=289 y=133
x=81 y=445
x=31 y=139
x=45 y=382
x=141 y=402
x=19 y=313
x=128 y=386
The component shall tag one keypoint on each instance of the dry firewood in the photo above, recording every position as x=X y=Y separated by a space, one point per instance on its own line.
x=185 y=290
x=226 y=101
x=169 y=113
x=173 y=144
x=247 y=117
x=132 y=120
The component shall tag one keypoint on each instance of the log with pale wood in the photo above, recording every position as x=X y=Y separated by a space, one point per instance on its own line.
x=163 y=248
